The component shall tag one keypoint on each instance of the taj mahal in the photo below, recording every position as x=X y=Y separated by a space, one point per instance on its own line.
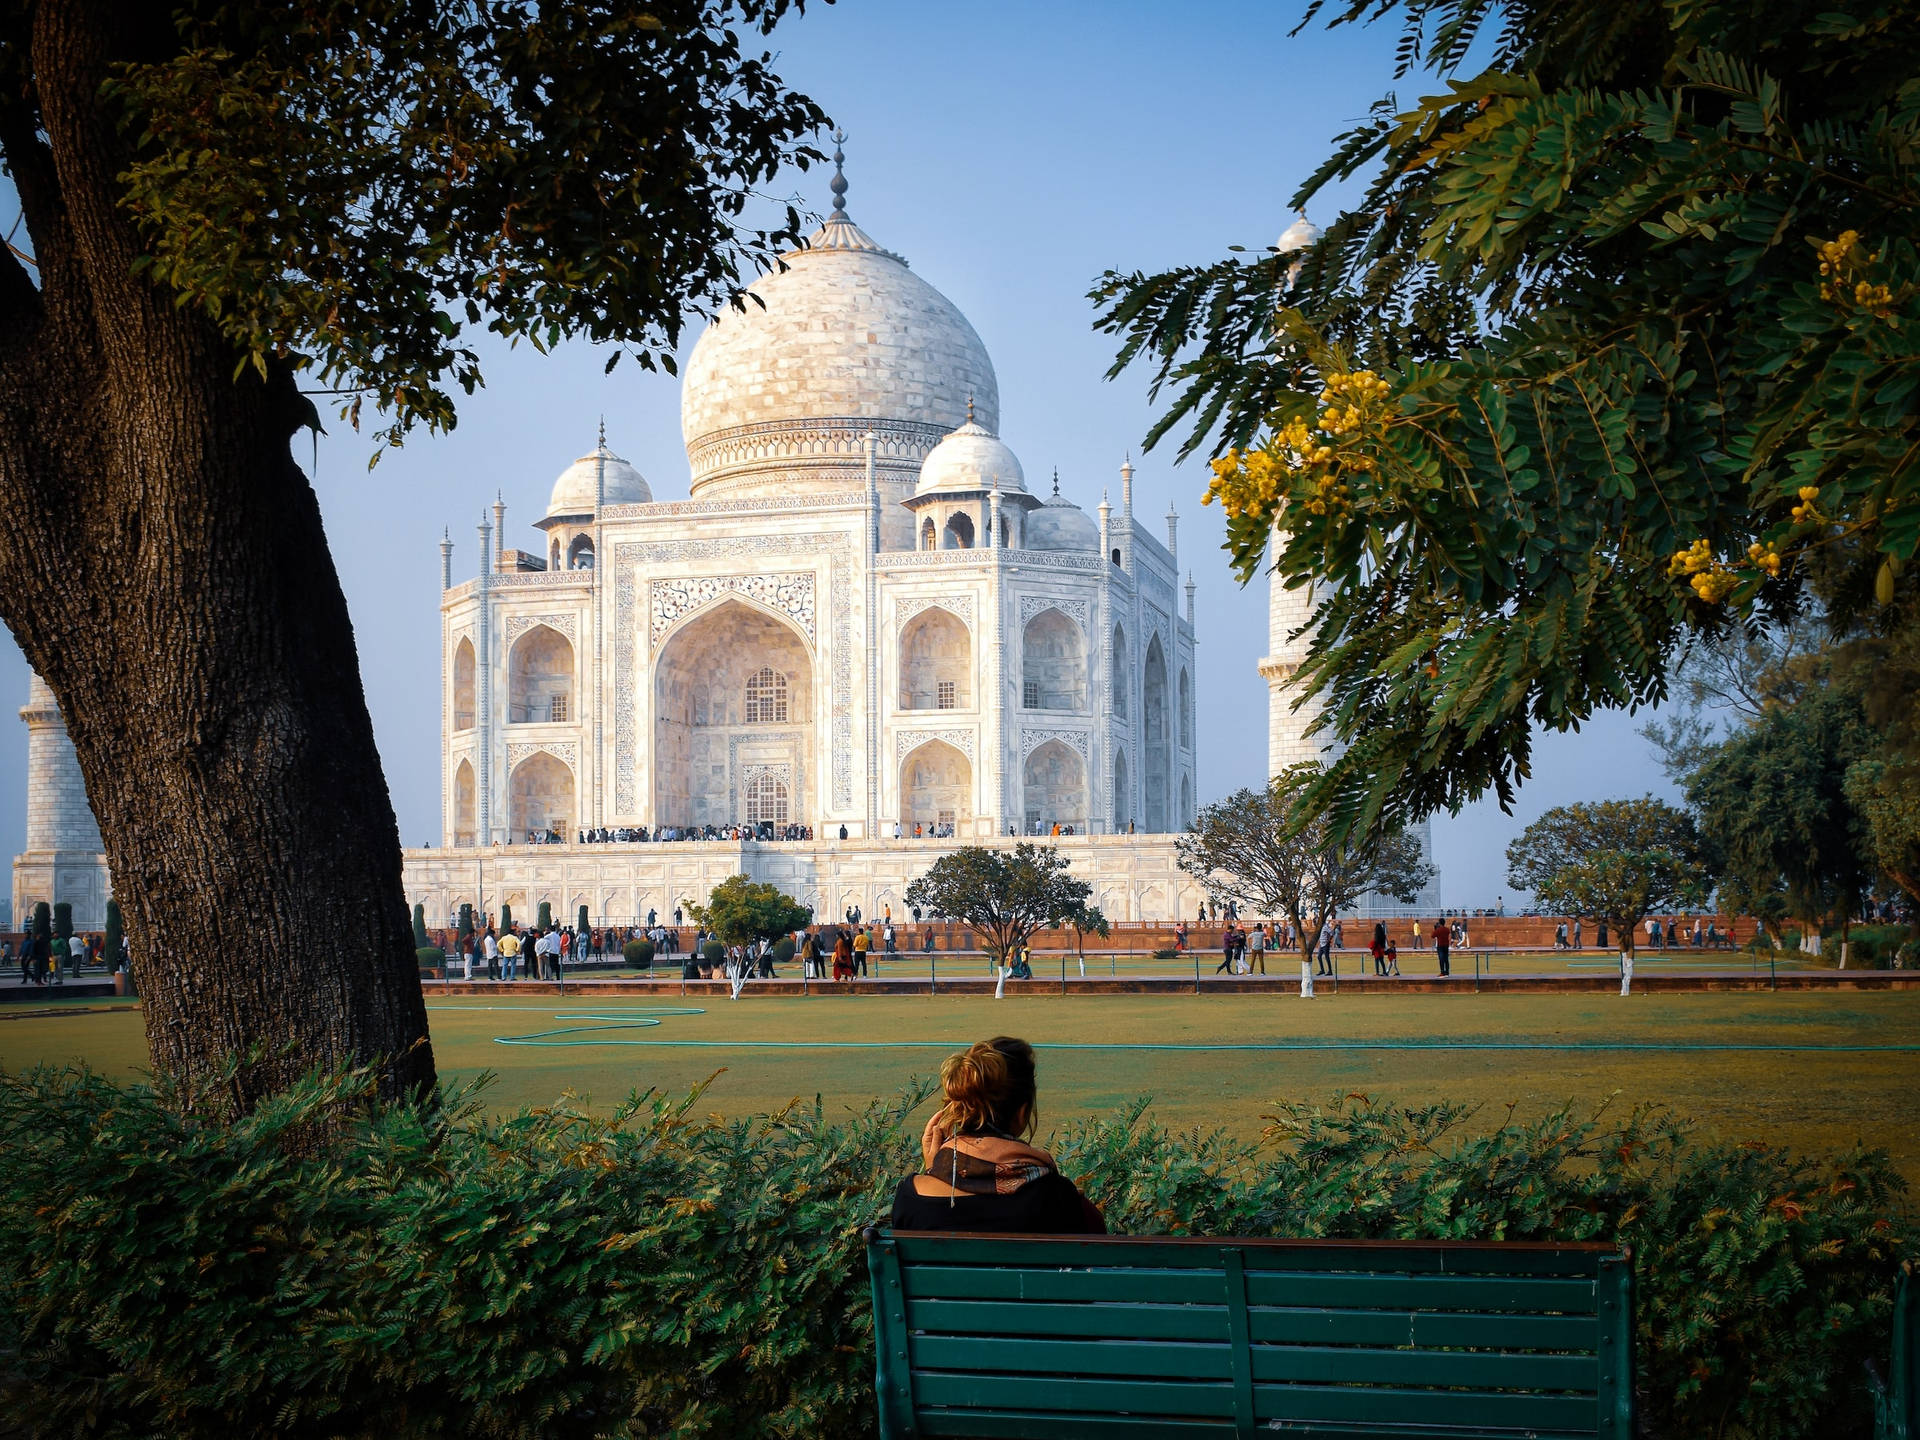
x=864 y=636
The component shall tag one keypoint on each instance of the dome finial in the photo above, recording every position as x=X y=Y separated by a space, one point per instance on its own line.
x=1056 y=482
x=839 y=183
x=970 y=409
x=603 y=432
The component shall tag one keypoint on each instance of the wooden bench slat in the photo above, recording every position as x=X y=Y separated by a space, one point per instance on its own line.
x=1478 y=1294
x=1174 y=1399
x=1521 y=1261
x=1429 y=1328
x=1052 y=1425
x=1479 y=1412
x=1116 y=1320
x=1478 y=1370
x=1146 y=1359
x=973 y=1282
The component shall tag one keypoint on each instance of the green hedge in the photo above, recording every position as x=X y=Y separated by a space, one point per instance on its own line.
x=431 y=957
x=638 y=953
x=713 y=952
x=783 y=950
x=1869 y=947
x=434 y=1271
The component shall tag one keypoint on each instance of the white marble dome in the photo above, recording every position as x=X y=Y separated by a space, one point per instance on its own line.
x=781 y=394
x=1301 y=234
x=971 y=458
x=573 y=492
x=1061 y=525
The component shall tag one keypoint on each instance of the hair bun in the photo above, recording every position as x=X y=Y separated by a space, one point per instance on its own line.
x=977 y=1083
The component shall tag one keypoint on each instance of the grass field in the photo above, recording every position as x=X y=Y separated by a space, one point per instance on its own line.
x=1809 y=1070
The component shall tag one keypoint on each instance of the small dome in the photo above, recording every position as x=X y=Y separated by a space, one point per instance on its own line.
x=971 y=458
x=573 y=492
x=1061 y=525
x=1300 y=235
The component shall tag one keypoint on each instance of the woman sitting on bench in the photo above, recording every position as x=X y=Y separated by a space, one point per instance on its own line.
x=980 y=1172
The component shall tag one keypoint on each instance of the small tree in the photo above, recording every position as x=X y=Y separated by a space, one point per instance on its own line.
x=1616 y=860
x=62 y=920
x=546 y=915
x=741 y=910
x=1086 y=920
x=580 y=926
x=466 y=924
x=43 y=922
x=1006 y=894
x=420 y=926
x=506 y=918
x=1264 y=850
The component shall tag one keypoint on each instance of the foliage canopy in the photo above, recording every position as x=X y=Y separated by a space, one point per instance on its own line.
x=1615 y=860
x=1005 y=894
x=1622 y=340
x=740 y=910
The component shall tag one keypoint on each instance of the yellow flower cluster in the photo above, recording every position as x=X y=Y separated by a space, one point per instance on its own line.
x=1808 y=510
x=1839 y=257
x=1712 y=581
x=1765 y=557
x=1259 y=481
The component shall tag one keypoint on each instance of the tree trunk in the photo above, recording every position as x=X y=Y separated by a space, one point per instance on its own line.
x=170 y=580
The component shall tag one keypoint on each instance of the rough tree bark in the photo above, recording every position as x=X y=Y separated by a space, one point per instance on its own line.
x=168 y=575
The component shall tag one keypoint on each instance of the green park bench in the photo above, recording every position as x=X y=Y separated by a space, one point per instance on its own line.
x=1896 y=1400
x=1057 y=1337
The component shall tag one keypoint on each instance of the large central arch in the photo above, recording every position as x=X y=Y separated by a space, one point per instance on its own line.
x=936 y=787
x=733 y=703
x=1053 y=663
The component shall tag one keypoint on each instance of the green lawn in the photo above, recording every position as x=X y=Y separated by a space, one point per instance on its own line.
x=1532 y=1050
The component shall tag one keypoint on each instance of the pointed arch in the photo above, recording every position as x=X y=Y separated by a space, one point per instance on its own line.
x=463 y=804
x=936 y=662
x=1053 y=663
x=463 y=677
x=1186 y=711
x=540 y=677
x=1122 y=678
x=1155 y=731
x=1122 y=799
x=936 y=786
x=1053 y=786
x=540 y=797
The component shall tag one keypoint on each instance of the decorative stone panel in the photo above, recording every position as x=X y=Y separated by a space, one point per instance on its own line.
x=905 y=742
x=1077 y=740
x=1032 y=605
x=567 y=752
x=907 y=607
x=518 y=625
x=671 y=601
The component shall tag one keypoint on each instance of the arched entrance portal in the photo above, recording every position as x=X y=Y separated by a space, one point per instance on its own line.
x=463 y=804
x=1155 y=726
x=540 y=798
x=1054 y=786
x=936 y=787
x=733 y=729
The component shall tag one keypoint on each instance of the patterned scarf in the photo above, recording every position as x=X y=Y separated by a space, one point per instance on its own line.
x=989 y=1164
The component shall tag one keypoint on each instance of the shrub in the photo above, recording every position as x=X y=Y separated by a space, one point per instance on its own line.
x=116 y=932
x=506 y=918
x=431 y=957
x=1166 y=954
x=42 y=921
x=638 y=953
x=1869 y=947
x=713 y=952
x=581 y=927
x=546 y=915
x=420 y=925
x=430 y=1270
x=62 y=920
x=783 y=950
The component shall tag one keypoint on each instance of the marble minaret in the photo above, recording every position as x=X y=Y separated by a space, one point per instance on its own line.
x=64 y=859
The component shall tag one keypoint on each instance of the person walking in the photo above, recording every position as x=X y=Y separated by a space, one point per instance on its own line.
x=862 y=943
x=1576 y=932
x=1442 y=944
x=1226 y=951
x=842 y=957
x=1325 y=967
x=1379 y=948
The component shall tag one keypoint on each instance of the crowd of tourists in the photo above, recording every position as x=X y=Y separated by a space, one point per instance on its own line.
x=50 y=959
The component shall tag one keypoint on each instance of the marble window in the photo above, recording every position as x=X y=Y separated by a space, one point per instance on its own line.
x=463 y=685
x=766 y=697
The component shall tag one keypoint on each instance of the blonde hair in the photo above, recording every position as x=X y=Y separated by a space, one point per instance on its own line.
x=989 y=1085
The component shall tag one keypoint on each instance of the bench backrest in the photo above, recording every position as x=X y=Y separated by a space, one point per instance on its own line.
x=1898 y=1401
x=1051 y=1337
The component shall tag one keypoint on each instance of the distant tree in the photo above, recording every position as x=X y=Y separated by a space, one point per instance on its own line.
x=1004 y=894
x=740 y=911
x=1085 y=920
x=42 y=921
x=115 y=933
x=420 y=926
x=1269 y=853
x=466 y=922
x=506 y=918
x=1618 y=861
x=62 y=920
x=225 y=209
x=580 y=924
x=544 y=917
x=1773 y=807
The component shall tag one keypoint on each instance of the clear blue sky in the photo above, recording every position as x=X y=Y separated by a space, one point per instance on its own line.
x=1011 y=152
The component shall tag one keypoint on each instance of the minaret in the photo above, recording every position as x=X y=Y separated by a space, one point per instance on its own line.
x=64 y=859
x=483 y=701
x=446 y=561
x=1289 y=613
x=1173 y=536
x=1106 y=528
x=1126 y=515
x=499 y=527
x=1189 y=599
